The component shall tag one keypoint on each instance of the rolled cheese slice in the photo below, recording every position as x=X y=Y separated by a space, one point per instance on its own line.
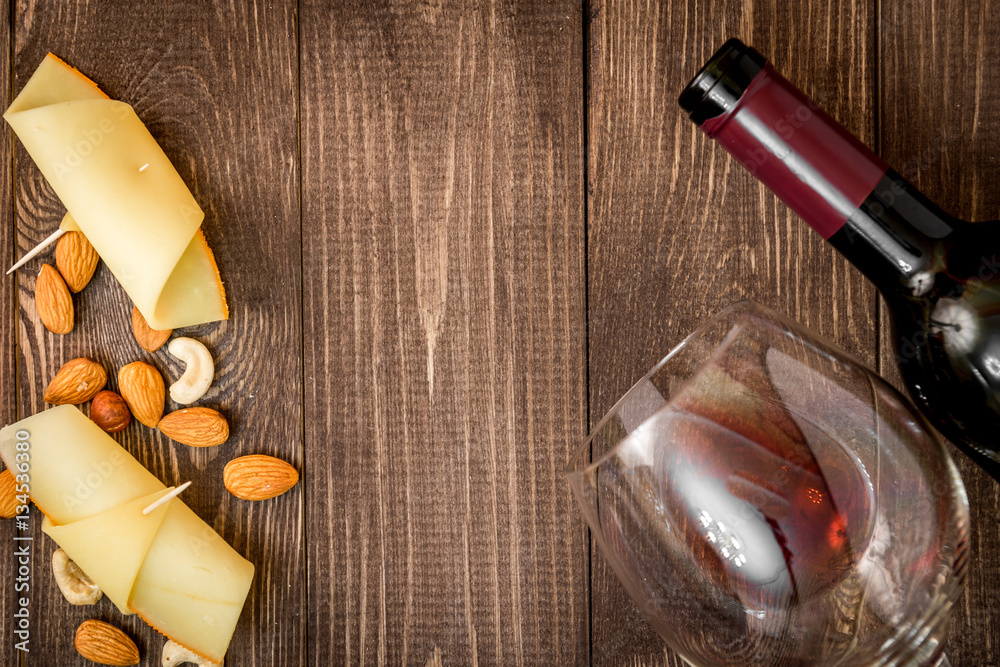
x=170 y=567
x=76 y=469
x=122 y=192
x=192 y=584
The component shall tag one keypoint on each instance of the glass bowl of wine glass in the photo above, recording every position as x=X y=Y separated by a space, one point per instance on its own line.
x=767 y=500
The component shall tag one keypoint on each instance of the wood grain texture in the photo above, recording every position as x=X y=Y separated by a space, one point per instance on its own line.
x=8 y=339
x=677 y=229
x=442 y=173
x=216 y=86
x=939 y=110
x=460 y=297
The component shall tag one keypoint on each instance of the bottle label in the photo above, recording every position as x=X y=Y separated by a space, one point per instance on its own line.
x=804 y=156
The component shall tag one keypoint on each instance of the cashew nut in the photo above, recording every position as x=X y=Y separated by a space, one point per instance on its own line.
x=75 y=585
x=198 y=370
x=175 y=654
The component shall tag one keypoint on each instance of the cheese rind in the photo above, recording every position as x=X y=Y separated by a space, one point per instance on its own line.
x=123 y=193
x=192 y=584
x=76 y=469
x=111 y=546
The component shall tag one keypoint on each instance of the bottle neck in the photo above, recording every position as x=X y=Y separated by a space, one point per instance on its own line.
x=893 y=237
x=800 y=153
x=821 y=171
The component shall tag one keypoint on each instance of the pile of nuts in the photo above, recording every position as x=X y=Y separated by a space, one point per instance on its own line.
x=142 y=395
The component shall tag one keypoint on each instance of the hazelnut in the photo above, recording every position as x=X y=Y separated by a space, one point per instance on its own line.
x=109 y=411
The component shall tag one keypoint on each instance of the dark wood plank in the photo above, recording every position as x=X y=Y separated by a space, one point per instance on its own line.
x=939 y=116
x=216 y=85
x=677 y=229
x=444 y=331
x=8 y=337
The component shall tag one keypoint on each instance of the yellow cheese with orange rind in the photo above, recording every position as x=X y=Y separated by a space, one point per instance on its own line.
x=122 y=192
x=76 y=469
x=192 y=584
x=170 y=567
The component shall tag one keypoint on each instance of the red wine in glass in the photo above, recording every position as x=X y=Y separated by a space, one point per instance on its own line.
x=765 y=500
x=773 y=506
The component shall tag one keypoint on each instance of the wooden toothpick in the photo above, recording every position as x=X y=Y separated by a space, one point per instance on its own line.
x=53 y=237
x=173 y=494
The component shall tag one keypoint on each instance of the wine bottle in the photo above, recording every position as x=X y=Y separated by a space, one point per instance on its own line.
x=939 y=275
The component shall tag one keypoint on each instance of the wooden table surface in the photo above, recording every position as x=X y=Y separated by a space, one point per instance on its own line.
x=452 y=233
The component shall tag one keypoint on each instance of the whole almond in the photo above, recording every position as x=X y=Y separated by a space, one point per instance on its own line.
x=77 y=382
x=8 y=495
x=258 y=477
x=53 y=301
x=148 y=338
x=197 y=427
x=110 y=411
x=76 y=260
x=141 y=385
x=105 y=644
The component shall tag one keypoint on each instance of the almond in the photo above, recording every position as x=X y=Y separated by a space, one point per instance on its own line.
x=76 y=260
x=141 y=385
x=259 y=477
x=197 y=427
x=148 y=338
x=77 y=382
x=110 y=411
x=8 y=495
x=53 y=301
x=105 y=644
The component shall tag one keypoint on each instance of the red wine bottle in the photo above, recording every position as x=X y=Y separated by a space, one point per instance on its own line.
x=939 y=275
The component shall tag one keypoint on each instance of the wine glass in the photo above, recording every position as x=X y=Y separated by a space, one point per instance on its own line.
x=767 y=500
